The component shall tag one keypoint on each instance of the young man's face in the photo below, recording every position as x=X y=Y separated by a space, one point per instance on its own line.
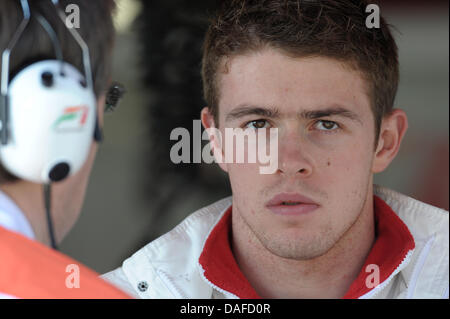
x=326 y=149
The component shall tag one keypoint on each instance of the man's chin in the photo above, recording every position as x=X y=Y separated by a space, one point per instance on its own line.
x=300 y=249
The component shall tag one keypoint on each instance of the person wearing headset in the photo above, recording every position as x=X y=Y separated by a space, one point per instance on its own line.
x=53 y=95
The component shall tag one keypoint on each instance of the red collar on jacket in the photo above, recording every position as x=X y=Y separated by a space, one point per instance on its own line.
x=393 y=242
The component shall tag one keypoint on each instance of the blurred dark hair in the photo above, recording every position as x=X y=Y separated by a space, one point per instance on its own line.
x=301 y=28
x=96 y=28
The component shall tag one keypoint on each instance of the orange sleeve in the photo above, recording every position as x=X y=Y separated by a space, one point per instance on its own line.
x=30 y=270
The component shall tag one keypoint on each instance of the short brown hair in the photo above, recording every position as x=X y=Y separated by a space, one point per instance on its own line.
x=303 y=28
x=96 y=28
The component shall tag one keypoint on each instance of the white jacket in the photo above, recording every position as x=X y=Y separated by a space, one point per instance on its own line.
x=168 y=267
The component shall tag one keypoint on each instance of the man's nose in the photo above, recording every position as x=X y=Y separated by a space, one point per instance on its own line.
x=293 y=159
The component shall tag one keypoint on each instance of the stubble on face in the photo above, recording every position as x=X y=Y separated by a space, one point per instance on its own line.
x=301 y=242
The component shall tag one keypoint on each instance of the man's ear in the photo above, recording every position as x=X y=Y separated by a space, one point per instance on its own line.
x=392 y=131
x=215 y=137
x=101 y=108
x=98 y=130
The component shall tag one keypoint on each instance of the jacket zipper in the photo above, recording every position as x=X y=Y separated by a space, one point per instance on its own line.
x=418 y=267
x=380 y=287
x=226 y=293
x=170 y=284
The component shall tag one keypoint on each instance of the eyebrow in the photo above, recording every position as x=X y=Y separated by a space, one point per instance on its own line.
x=252 y=110
x=275 y=113
x=336 y=111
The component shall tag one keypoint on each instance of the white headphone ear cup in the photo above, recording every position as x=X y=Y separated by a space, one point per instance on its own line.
x=51 y=122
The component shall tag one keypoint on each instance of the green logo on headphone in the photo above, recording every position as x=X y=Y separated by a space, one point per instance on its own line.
x=74 y=118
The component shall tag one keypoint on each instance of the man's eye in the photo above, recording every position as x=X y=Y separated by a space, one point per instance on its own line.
x=258 y=124
x=326 y=125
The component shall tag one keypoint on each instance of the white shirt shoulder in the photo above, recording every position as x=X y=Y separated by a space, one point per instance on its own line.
x=12 y=218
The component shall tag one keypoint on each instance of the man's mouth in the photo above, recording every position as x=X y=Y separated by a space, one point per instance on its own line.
x=291 y=204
